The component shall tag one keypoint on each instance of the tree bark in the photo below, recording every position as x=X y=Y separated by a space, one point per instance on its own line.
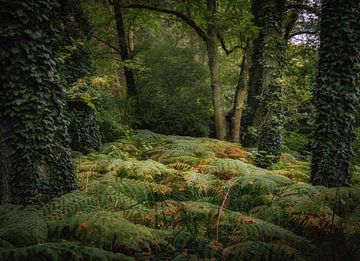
x=124 y=49
x=336 y=93
x=239 y=99
x=217 y=95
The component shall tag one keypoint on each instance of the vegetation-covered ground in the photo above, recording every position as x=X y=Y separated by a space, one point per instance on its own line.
x=156 y=197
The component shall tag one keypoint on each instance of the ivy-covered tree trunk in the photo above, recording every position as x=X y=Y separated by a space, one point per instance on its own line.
x=336 y=93
x=265 y=114
x=35 y=158
x=124 y=49
x=217 y=95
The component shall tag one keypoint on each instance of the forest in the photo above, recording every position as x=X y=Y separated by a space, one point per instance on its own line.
x=179 y=130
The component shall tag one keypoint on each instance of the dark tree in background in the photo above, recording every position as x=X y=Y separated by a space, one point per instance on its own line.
x=124 y=49
x=336 y=93
x=35 y=159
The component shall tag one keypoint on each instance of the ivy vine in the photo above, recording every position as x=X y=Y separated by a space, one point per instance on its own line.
x=35 y=149
x=336 y=93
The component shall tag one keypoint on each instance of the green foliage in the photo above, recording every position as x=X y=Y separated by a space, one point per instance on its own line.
x=62 y=250
x=75 y=62
x=149 y=170
x=356 y=147
x=299 y=76
x=22 y=226
x=296 y=142
x=32 y=103
x=173 y=95
x=226 y=168
x=251 y=250
x=83 y=129
x=107 y=230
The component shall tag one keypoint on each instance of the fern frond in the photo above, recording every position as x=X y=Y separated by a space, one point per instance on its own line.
x=202 y=182
x=258 y=230
x=352 y=233
x=108 y=230
x=226 y=168
x=148 y=170
x=140 y=191
x=63 y=250
x=343 y=199
x=249 y=191
x=260 y=251
x=22 y=226
x=68 y=205
x=181 y=148
x=114 y=150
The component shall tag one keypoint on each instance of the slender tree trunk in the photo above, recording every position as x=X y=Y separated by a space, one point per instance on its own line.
x=240 y=93
x=217 y=95
x=336 y=93
x=124 y=49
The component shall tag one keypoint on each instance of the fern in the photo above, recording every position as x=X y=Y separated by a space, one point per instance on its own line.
x=89 y=164
x=139 y=191
x=341 y=199
x=260 y=251
x=226 y=168
x=148 y=170
x=62 y=250
x=108 y=230
x=22 y=226
x=249 y=191
x=202 y=182
x=68 y=205
x=271 y=213
x=182 y=148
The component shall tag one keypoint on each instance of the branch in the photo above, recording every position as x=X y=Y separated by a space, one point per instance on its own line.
x=301 y=32
x=106 y=43
x=180 y=15
x=222 y=42
x=308 y=8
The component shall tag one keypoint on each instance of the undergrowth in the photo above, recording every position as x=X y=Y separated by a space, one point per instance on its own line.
x=157 y=197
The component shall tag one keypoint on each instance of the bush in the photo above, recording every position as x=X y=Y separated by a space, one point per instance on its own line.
x=174 y=96
x=110 y=128
x=297 y=142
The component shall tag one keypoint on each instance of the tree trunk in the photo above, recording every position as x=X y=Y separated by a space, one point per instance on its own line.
x=217 y=95
x=241 y=89
x=124 y=49
x=336 y=93
x=35 y=159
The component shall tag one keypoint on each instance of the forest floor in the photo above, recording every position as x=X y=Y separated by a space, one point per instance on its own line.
x=156 y=197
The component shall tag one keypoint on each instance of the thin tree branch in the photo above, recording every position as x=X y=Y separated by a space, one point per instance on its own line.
x=180 y=15
x=301 y=32
x=223 y=46
x=106 y=43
